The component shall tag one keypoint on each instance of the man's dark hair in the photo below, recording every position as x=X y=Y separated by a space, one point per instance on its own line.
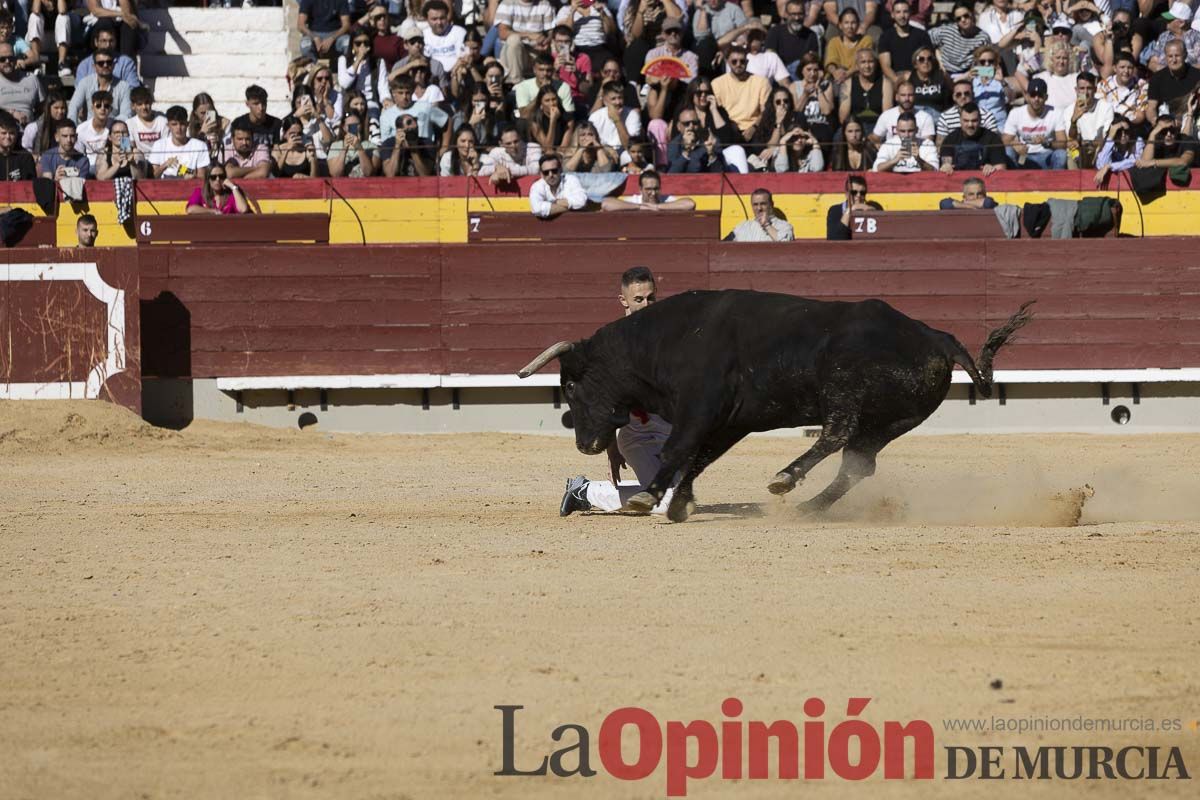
x=256 y=93
x=969 y=108
x=1087 y=76
x=436 y=5
x=85 y=218
x=966 y=82
x=505 y=128
x=6 y=17
x=967 y=4
x=9 y=123
x=636 y=275
x=543 y=60
x=1125 y=55
x=547 y=158
x=855 y=179
x=141 y=95
x=563 y=30
x=65 y=122
x=612 y=86
x=402 y=82
x=907 y=116
x=243 y=125
x=761 y=190
x=177 y=114
x=649 y=174
x=100 y=95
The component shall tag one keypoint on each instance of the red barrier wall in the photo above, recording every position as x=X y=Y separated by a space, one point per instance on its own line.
x=69 y=326
x=234 y=311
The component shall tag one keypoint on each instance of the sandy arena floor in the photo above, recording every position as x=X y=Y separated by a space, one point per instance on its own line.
x=234 y=612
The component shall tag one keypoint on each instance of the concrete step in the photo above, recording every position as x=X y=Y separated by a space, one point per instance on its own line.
x=228 y=93
x=214 y=20
x=245 y=67
x=202 y=42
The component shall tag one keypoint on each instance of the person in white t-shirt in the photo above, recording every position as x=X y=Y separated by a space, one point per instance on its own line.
x=444 y=41
x=1035 y=137
x=93 y=132
x=146 y=126
x=906 y=98
x=614 y=122
x=905 y=151
x=177 y=155
x=648 y=198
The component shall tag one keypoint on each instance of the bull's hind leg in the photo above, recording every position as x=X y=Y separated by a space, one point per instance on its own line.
x=858 y=462
x=683 y=501
x=839 y=427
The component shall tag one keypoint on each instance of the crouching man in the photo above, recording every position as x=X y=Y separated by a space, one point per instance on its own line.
x=638 y=444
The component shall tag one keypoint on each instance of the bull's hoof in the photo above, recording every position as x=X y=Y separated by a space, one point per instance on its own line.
x=781 y=484
x=640 y=503
x=680 y=509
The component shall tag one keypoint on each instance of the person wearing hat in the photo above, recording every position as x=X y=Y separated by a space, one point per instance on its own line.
x=672 y=30
x=1035 y=136
x=1178 y=18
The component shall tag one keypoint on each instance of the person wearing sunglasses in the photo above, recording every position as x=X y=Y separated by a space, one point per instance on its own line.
x=324 y=28
x=989 y=86
x=93 y=132
x=743 y=95
x=957 y=43
x=103 y=78
x=1120 y=152
x=20 y=91
x=555 y=192
x=104 y=37
x=951 y=118
x=837 y=220
x=218 y=195
x=385 y=45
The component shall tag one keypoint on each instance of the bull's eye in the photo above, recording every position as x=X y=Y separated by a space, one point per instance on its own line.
x=569 y=389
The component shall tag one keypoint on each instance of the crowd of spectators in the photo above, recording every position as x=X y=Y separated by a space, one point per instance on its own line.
x=411 y=89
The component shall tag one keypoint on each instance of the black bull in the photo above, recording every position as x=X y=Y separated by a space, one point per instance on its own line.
x=721 y=365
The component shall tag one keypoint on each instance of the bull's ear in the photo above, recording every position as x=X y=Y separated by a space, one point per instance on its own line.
x=568 y=419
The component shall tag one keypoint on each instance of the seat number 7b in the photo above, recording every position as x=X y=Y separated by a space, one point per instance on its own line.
x=865 y=225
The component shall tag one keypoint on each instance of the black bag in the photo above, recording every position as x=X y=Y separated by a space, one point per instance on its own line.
x=14 y=225
x=1148 y=180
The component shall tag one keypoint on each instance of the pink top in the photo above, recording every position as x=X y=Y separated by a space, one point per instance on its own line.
x=228 y=207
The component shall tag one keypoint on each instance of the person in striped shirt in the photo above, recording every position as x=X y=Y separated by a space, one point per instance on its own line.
x=951 y=119
x=957 y=43
x=522 y=24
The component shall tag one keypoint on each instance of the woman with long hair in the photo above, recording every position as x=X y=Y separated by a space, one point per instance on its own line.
x=326 y=96
x=814 y=98
x=590 y=154
x=481 y=113
x=933 y=90
x=798 y=151
x=990 y=87
x=39 y=137
x=1120 y=153
x=354 y=154
x=295 y=156
x=854 y=151
x=779 y=117
x=218 y=196
x=463 y=157
x=361 y=71
x=120 y=157
x=549 y=125
x=713 y=119
x=207 y=125
x=468 y=71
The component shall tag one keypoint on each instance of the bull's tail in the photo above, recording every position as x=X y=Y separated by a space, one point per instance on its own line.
x=981 y=371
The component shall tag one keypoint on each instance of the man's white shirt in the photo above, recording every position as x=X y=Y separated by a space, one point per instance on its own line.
x=542 y=197
x=927 y=152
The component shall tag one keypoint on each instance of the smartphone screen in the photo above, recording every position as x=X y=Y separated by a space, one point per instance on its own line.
x=352 y=129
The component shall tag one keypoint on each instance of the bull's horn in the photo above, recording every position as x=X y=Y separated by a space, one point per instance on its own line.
x=549 y=354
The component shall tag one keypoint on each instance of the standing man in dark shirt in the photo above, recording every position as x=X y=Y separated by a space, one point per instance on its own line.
x=897 y=44
x=1170 y=87
x=14 y=165
x=790 y=39
x=837 y=221
x=324 y=27
x=264 y=127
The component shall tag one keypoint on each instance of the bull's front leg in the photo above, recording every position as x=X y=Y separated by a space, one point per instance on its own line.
x=677 y=456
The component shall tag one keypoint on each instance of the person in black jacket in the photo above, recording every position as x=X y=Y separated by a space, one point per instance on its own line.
x=837 y=221
x=16 y=164
x=972 y=146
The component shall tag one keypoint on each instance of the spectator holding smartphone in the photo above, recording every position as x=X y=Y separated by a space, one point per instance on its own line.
x=295 y=156
x=120 y=157
x=354 y=155
x=64 y=161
